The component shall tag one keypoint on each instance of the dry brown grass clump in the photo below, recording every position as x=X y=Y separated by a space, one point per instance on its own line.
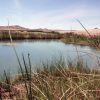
x=57 y=82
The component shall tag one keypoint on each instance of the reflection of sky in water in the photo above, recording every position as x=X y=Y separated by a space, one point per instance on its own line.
x=44 y=50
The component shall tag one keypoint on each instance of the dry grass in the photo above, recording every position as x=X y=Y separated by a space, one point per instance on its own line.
x=56 y=81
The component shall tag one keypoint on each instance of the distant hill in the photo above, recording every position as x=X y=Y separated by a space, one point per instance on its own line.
x=13 y=27
x=95 y=31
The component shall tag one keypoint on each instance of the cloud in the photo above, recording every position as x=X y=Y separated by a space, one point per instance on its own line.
x=64 y=18
x=57 y=18
x=52 y=19
x=18 y=4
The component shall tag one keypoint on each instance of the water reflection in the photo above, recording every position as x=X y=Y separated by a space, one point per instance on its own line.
x=43 y=50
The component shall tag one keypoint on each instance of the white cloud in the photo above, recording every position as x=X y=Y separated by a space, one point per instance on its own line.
x=61 y=19
x=18 y=4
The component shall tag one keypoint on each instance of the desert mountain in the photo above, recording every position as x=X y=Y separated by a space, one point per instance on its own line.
x=13 y=27
x=95 y=31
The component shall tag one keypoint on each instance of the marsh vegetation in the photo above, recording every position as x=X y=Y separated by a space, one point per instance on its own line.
x=57 y=80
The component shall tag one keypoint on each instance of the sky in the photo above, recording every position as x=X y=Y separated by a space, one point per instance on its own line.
x=51 y=14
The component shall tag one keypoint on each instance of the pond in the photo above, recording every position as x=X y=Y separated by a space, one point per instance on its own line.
x=45 y=51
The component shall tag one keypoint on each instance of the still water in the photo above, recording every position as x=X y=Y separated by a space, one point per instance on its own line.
x=43 y=51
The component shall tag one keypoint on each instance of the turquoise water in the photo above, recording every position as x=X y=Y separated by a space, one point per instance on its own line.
x=43 y=51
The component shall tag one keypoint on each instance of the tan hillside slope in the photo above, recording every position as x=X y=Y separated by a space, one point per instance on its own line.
x=13 y=27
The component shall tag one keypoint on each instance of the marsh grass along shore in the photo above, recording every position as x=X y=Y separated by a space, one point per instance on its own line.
x=86 y=37
x=69 y=37
x=55 y=81
x=29 y=34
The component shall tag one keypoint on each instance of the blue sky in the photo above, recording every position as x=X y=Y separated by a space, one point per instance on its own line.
x=52 y=14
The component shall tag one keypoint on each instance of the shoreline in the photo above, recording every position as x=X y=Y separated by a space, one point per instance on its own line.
x=28 y=39
x=68 y=38
x=82 y=43
x=7 y=41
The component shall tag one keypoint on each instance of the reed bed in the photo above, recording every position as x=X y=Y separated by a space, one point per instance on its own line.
x=56 y=81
